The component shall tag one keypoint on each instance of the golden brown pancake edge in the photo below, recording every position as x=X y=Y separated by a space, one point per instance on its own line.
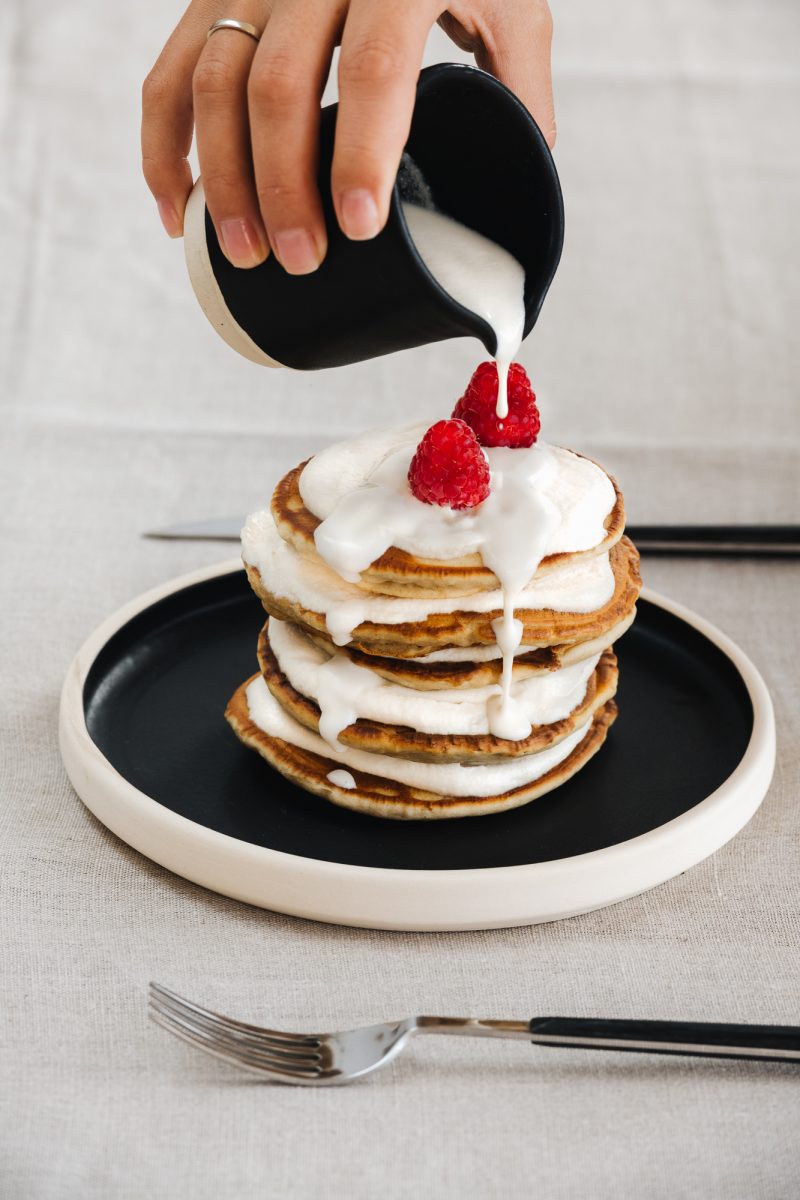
x=374 y=737
x=398 y=573
x=386 y=798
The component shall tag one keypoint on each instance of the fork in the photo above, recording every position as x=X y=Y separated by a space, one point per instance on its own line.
x=317 y=1059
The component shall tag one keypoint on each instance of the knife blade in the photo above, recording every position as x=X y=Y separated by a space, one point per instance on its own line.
x=213 y=529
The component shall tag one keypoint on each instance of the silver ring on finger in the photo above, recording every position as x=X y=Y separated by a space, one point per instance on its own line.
x=239 y=26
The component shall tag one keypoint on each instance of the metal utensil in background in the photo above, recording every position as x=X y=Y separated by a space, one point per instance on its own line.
x=317 y=1059
x=762 y=541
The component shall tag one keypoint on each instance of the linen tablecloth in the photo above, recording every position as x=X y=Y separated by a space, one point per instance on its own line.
x=668 y=349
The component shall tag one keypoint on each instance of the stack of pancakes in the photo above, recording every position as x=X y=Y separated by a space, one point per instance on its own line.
x=372 y=693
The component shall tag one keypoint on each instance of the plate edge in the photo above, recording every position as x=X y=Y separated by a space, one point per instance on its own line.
x=749 y=781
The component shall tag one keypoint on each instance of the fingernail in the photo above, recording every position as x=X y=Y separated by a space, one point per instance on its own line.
x=169 y=217
x=360 y=220
x=297 y=251
x=242 y=242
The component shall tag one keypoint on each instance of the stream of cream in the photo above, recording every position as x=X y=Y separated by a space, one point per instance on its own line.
x=478 y=274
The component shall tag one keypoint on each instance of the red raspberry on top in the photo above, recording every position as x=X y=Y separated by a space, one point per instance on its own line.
x=478 y=404
x=449 y=467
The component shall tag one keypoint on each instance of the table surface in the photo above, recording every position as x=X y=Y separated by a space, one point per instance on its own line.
x=667 y=349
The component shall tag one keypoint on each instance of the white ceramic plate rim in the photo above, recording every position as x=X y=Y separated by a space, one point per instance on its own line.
x=388 y=898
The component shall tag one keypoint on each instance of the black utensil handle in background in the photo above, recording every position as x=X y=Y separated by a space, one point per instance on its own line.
x=768 y=541
x=778 y=1043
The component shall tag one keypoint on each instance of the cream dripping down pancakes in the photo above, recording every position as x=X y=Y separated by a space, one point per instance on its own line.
x=409 y=705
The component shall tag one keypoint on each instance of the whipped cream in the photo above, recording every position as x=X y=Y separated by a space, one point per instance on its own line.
x=342 y=779
x=378 y=462
x=471 y=654
x=444 y=779
x=478 y=274
x=345 y=692
x=534 y=508
x=580 y=586
x=384 y=512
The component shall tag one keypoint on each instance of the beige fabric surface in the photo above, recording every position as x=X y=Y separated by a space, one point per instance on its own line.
x=668 y=350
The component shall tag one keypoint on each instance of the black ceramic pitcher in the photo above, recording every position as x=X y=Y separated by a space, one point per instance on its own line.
x=484 y=162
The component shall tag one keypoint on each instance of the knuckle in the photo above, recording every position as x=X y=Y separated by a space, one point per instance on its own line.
x=213 y=78
x=357 y=166
x=277 y=195
x=371 y=60
x=221 y=182
x=153 y=169
x=155 y=90
x=275 y=84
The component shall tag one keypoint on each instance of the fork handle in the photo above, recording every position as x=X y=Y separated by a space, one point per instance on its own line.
x=777 y=1043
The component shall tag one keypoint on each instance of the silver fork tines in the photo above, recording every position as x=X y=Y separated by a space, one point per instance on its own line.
x=297 y=1056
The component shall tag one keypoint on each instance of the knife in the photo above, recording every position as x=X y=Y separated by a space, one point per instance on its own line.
x=779 y=541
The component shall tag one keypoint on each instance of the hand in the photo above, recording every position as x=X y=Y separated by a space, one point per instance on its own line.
x=255 y=110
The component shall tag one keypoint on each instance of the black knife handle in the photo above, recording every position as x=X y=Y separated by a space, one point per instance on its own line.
x=768 y=541
x=778 y=1043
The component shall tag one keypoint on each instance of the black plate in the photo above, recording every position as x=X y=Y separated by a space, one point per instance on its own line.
x=154 y=701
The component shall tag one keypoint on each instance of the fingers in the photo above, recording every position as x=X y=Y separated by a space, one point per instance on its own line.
x=519 y=55
x=167 y=124
x=223 y=144
x=382 y=47
x=286 y=83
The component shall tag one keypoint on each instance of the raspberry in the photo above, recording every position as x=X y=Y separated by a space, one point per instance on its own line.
x=477 y=407
x=449 y=467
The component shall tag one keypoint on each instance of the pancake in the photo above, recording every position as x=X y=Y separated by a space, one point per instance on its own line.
x=540 y=627
x=380 y=797
x=373 y=737
x=398 y=573
x=402 y=658
x=466 y=673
